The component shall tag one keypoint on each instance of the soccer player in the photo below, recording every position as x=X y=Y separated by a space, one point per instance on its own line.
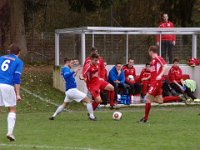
x=158 y=67
x=100 y=63
x=10 y=71
x=94 y=83
x=72 y=93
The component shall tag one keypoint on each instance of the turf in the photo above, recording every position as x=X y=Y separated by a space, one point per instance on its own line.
x=169 y=128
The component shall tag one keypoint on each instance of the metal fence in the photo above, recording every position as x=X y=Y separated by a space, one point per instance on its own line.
x=117 y=44
x=41 y=47
x=113 y=47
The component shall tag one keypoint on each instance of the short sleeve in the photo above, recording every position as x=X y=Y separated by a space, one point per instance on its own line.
x=161 y=60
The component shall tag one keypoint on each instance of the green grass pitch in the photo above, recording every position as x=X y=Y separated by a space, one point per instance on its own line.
x=169 y=128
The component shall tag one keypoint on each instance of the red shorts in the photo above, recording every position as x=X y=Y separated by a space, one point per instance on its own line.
x=155 y=88
x=95 y=87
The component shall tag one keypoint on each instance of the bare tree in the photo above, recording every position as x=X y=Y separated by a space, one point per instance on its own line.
x=17 y=27
x=12 y=29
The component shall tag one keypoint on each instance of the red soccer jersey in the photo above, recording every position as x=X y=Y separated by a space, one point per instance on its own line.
x=166 y=37
x=145 y=74
x=129 y=71
x=90 y=72
x=175 y=73
x=100 y=64
x=106 y=75
x=156 y=67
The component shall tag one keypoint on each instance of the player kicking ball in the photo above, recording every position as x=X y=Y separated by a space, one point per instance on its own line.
x=158 y=67
x=10 y=71
x=90 y=74
x=72 y=93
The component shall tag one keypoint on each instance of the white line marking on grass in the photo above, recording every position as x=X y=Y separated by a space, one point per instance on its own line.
x=42 y=99
x=44 y=146
x=39 y=97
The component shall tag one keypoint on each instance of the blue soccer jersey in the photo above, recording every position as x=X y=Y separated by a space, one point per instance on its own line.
x=69 y=78
x=10 y=68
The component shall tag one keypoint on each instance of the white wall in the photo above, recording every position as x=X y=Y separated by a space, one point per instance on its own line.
x=194 y=73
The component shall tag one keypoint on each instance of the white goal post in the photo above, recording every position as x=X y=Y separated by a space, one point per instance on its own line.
x=83 y=31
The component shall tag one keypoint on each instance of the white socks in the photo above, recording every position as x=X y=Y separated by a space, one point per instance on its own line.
x=90 y=110
x=11 y=122
x=59 y=110
x=88 y=105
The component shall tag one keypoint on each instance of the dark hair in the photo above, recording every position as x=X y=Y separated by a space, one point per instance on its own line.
x=176 y=60
x=14 y=49
x=117 y=63
x=130 y=59
x=147 y=64
x=153 y=49
x=93 y=49
x=94 y=55
x=67 y=60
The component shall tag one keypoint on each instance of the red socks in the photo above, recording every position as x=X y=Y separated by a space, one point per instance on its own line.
x=94 y=105
x=111 y=96
x=147 y=109
x=168 y=99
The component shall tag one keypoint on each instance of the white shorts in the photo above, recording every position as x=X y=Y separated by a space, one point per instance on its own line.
x=74 y=94
x=7 y=95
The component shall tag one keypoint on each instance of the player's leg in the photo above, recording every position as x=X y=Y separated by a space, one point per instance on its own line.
x=8 y=98
x=94 y=90
x=112 y=92
x=149 y=98
x=167 y=99
x=96 y=102
x=108 y=87
x=59 y=110
x=144 y=89
x=158 y=92
x=62 y=106
x=11 y=119
x=89 y=108
x=158 y=99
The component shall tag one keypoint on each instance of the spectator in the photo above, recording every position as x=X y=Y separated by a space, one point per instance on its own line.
x=145 y=76
x=167 y=40
x=176 y=81
x=131 y=78
x=117 y=79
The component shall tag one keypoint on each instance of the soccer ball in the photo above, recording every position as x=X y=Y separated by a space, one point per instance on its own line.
x=130 y=77
x=117 y=115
